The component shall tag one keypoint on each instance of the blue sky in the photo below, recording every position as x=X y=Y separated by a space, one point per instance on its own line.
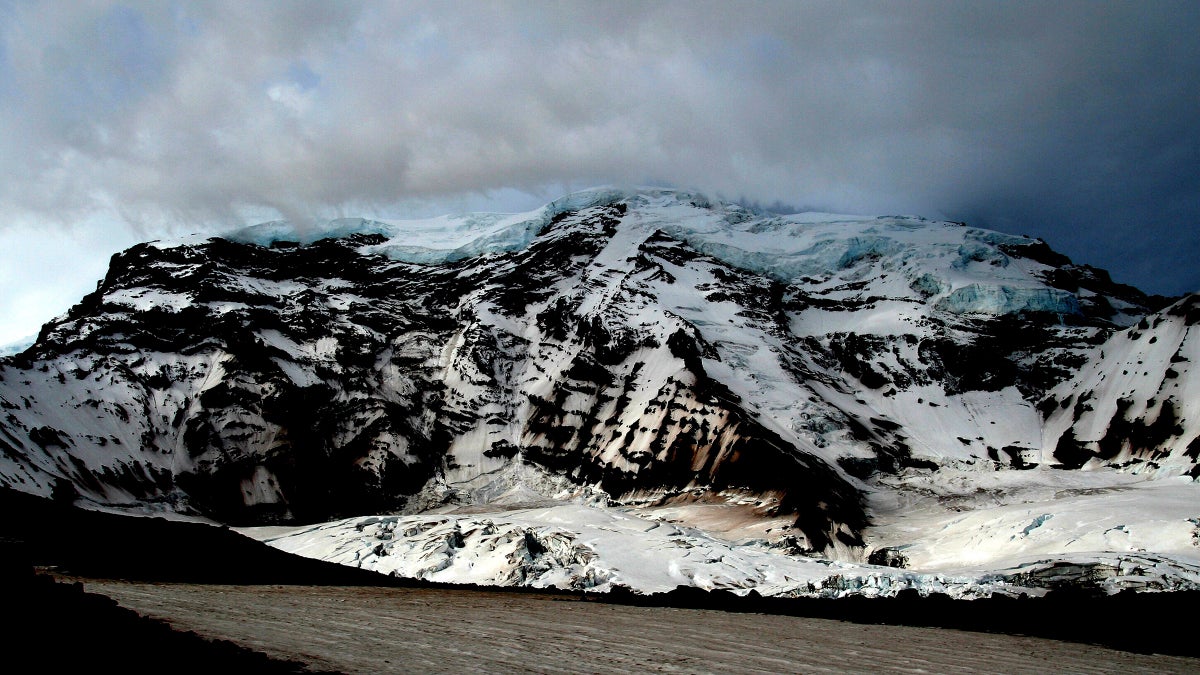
x=1072 y=121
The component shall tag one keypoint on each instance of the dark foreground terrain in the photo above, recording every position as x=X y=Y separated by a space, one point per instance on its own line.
x=380 y=630
x=56 y=627
x=236 y=603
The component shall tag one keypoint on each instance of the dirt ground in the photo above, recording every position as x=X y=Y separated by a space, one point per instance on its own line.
x=391 y=630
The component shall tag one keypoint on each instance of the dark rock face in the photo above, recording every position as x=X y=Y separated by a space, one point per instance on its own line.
x=215 y=389
x=297 y=383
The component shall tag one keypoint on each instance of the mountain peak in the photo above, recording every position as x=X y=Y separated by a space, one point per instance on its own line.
x=768 y=378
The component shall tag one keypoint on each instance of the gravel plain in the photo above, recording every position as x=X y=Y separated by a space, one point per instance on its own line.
x=396 y=630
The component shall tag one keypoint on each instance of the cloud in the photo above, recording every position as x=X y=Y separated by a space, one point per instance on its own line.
x=1072 y=121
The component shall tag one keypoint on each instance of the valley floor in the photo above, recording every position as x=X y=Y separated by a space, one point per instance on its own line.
x=380 y=630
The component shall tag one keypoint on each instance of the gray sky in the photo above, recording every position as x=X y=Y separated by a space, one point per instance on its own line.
x=1076 y=122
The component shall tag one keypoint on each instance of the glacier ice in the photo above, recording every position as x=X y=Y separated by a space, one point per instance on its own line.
x=433 y=240
x=999 y=300
x=940 y=257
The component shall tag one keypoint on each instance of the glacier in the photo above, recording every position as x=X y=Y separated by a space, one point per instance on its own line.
x=981 y=299
x=784 y=247
x=1131 y=534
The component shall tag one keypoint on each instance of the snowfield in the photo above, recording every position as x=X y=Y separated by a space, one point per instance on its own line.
x=1006 y=536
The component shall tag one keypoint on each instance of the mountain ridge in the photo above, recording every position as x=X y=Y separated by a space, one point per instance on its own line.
x=641 y=349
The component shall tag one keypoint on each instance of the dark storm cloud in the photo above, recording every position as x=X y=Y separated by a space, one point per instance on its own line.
x=1071 y=121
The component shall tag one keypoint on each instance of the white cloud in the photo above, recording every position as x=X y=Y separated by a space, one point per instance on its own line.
x=1065 y=115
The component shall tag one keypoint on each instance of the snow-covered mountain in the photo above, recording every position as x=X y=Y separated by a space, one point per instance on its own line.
x=520 y=398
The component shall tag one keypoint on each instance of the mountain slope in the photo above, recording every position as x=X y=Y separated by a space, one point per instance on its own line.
x=1136 y=401
x=649 y=349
